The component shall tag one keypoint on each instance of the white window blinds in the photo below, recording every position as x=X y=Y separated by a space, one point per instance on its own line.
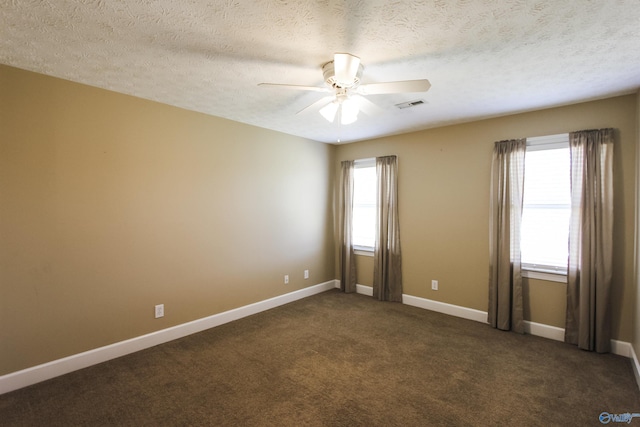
x=547 y=204
x=364 y=204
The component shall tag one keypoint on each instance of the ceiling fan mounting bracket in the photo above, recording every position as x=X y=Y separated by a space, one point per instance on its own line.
x=329 y=74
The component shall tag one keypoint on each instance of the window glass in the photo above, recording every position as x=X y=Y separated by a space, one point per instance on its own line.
x=546 y=210
x=364 y=206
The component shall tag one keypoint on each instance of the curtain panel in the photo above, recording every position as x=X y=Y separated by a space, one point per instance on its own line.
x=588 y=321
x=505 y=275
x=387 y=256
x=347 y=257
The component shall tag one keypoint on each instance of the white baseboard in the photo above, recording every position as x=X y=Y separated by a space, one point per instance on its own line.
x=360 y=289
x=635 y=364
x=445 y=308
x=36 y=374
x=545 y=331
x=364 y=290
x=620 y=348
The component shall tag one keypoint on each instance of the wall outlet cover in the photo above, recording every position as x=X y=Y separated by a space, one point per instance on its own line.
x=159 y=310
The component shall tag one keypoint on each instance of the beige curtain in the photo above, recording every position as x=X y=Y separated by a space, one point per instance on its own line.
x=505 y=276
x=387 y=257
x=588 y=321
x=347 y=259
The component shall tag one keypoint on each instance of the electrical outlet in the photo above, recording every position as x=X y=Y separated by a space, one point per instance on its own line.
x=159 y=310
x=434 y=285
x=306 y=274
x=286 y=279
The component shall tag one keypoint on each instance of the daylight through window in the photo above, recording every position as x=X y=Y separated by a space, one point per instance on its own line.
x=364 y=204
x=546 y=205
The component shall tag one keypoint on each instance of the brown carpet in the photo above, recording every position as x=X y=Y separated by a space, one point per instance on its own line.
x=338 y=360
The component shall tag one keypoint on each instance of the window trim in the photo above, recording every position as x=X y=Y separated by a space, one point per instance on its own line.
x=544 y=275
x=363 y=250
x=539 y=271
x=549 y=269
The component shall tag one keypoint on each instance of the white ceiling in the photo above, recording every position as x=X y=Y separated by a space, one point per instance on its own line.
x=484 y=58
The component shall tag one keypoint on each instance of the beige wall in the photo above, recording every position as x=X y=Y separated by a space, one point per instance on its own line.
x=636 y=318
x=111 y=204
x=444 y=177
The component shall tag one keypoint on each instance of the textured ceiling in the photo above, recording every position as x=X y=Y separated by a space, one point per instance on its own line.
x=483 y=57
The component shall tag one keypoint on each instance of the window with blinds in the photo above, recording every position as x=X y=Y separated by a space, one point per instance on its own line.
x=546 y=205
x=364 y=204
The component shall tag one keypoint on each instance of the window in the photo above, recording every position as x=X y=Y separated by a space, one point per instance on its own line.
x=364 y=204
x=546 y=205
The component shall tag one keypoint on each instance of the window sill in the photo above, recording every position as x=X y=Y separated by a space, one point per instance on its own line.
x=544 y=275
x=363 y=250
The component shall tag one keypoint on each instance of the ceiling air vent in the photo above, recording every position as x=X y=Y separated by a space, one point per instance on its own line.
x=410 y=104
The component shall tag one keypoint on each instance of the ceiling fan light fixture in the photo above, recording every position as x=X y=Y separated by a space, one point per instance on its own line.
x=329 y=111
x=348 y=112
x=347 y=118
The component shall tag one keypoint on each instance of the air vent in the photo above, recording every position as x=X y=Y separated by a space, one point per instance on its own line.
x=410 y=104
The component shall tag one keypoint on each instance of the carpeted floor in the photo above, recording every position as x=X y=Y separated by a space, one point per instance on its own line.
x=338 y=360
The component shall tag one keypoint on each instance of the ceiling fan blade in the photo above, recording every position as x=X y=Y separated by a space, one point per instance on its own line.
x=366 y=106
x=395 y=87
x=346 y=67
x=296 y=87
x=322 y=102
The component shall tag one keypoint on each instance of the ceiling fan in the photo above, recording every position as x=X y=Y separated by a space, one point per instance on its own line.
x=342 y=79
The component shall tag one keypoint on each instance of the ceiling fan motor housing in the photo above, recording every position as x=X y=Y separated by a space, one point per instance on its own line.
x=329 y=74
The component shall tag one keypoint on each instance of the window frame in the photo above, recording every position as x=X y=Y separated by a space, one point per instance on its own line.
x=364 y=163
x=539 y=271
